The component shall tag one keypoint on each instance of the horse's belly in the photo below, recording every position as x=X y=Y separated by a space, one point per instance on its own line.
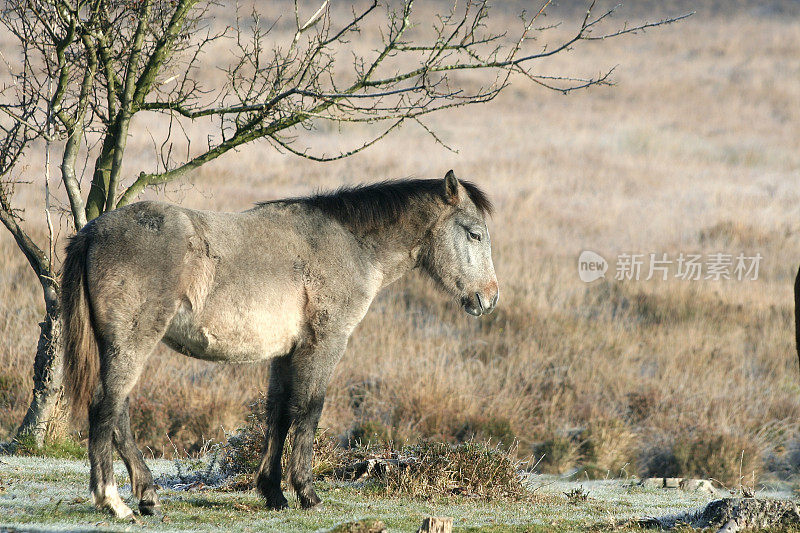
x=243 y=337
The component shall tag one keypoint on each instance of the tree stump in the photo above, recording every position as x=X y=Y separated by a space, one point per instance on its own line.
x=367 y=525
x=434 y=524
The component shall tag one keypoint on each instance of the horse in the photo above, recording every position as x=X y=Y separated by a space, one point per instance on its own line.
x=286 y=281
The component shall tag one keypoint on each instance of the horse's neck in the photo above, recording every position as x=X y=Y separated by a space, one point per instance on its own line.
x=397 y=246
x=394 y=264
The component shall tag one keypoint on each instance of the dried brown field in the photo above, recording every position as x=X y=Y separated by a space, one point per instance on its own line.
x=694 y=151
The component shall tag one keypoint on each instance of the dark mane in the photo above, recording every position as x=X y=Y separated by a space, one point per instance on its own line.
x=366 y=207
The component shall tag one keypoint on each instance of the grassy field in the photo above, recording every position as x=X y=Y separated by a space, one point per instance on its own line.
x=693 y=151
x=50 y=494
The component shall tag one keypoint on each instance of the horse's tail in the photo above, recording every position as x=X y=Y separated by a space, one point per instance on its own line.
x=797 y=312
x=81 y=356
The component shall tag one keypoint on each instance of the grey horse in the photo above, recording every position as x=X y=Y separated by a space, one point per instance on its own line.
x=287 y=281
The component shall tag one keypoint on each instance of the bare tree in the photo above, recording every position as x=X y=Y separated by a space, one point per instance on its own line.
x=84 y=68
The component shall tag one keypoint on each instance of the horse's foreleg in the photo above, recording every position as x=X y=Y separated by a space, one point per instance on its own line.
x=141 y=477
x=300 y=473
x=311 y=373
x=268 y=476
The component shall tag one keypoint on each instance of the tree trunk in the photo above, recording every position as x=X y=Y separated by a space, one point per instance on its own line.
x=45 y=416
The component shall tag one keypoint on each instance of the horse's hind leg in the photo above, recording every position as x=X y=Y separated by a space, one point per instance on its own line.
x=103 y=414
x=268 y=476
x=119 y=370
x=141 y=477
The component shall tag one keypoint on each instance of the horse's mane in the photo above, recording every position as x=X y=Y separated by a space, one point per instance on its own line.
x=365 y=207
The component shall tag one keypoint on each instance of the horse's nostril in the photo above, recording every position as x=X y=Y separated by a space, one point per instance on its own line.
x=480 y=302
x=496 y=297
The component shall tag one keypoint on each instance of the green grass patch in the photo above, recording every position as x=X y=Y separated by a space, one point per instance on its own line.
x=54 y=447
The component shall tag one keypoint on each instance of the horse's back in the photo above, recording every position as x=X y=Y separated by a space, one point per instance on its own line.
x=202 y=279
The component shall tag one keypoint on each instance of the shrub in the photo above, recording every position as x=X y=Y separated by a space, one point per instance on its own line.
x=556 y=454
x=241 y=454
x=607 y=448
x=491 y=428
x=642 y=404
x=426 y=469
x=439 y=469
x=183 y=424
x=603 y=449
x=369 y=432
x=727 y=457
x=242 y=451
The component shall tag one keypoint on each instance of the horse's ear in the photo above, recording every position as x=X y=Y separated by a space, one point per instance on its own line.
x=451 y=187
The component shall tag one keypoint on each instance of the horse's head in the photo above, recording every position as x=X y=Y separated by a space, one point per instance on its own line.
x=459 y=253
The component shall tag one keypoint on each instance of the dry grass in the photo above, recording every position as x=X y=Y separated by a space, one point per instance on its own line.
x=442 y=470
x=426 y=469
x=693 y=151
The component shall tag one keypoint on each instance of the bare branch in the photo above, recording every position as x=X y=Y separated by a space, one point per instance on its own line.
x=39 y=132
x=122 y=123
x=36 y=257
x=323 y=158
x=270 y=91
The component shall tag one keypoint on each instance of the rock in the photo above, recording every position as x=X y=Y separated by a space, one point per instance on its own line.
x=687 y=484
x=697 y=485
x=730 y=515
x=735 y=514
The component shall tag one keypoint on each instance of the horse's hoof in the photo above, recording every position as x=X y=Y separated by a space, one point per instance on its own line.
x=150 y=509
x=310 y=500
x=120 y=512
x=117 y=508
x=271 y=492
x=277 y=501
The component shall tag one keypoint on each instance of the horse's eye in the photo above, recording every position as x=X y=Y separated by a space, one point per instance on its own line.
x=474 y=236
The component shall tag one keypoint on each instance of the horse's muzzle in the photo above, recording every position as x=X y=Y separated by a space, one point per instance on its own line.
x=480 y=305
